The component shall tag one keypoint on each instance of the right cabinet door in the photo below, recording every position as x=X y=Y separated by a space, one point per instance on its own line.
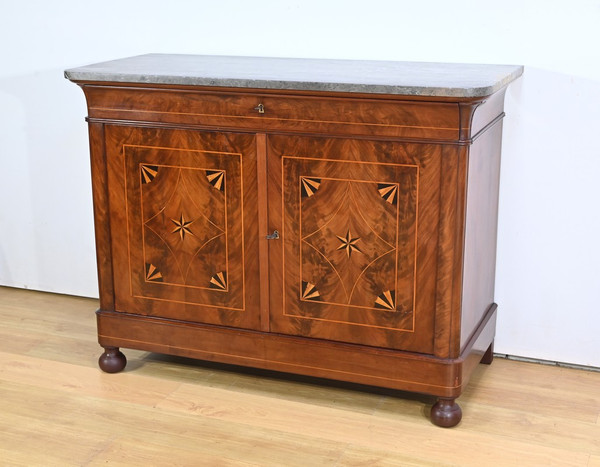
x=357 y=256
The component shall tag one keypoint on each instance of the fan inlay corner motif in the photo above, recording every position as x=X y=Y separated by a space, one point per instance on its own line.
x=348 y=241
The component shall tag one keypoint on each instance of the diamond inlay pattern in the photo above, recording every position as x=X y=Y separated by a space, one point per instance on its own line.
x=349 y=249
x=184 y=225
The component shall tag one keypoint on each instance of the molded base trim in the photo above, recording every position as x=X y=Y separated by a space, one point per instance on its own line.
x=312 y=357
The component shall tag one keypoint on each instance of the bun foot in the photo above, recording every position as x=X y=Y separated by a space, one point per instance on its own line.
x=112 y=360
x=446 y=413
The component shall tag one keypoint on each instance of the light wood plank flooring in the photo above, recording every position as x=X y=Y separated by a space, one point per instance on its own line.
x=58 y=409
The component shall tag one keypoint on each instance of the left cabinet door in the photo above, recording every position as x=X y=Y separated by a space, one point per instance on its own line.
x=183 y=224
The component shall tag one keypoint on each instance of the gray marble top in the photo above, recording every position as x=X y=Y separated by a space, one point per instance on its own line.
x=402 y=78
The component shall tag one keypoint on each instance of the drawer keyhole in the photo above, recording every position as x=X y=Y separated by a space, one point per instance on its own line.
x=260 y=108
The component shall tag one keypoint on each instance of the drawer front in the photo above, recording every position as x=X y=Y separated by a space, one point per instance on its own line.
x=272 y=112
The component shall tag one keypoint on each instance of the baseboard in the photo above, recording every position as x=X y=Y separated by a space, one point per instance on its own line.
x=574 y=366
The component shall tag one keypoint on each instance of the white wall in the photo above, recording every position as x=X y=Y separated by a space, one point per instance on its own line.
x=548 y=250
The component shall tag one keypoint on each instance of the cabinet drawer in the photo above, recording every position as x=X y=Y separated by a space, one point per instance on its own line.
x=273 y=112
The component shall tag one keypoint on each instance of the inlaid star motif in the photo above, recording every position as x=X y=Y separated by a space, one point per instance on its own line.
x=182 y=226
x=348 y=243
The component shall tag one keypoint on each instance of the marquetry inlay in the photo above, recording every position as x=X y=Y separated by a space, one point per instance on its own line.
x=185 y=240
x=309 y=291
x=152 y=274
x=345 y=241
x=309 y=186
x=148 y=173
x=386 y=300
x=182 y=238
x=182 y=227
x=388 y=191
x=216 y=178
x=348 y=244
x=219 y=281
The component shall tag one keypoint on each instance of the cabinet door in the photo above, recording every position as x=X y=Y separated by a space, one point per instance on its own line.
x=183 y=224
x=358 y=223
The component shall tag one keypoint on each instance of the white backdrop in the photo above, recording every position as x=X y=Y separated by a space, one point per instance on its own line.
x=548 y=250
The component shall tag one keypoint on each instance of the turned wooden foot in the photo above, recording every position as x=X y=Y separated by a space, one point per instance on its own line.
x=446 y=413
x=112 y=360
x=488 y=356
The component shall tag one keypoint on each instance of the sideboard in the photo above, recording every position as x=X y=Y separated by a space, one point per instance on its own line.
x=328 y=218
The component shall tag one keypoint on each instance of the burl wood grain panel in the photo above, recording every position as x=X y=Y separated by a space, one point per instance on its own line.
x=356 y=261
x=183 y=224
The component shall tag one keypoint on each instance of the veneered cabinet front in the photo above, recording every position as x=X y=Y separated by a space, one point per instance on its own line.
x=356 y=260
x=183 y=210
x=357 y=255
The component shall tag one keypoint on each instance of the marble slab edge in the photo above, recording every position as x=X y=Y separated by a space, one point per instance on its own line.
x=371 y=77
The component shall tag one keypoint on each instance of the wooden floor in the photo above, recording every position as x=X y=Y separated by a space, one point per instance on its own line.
x=58 y=409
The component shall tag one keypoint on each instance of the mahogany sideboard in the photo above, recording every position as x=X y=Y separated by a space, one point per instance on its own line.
x=328 y=218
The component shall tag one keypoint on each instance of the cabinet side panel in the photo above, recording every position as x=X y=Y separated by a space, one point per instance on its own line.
x=481 y=229
x=101 y=216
